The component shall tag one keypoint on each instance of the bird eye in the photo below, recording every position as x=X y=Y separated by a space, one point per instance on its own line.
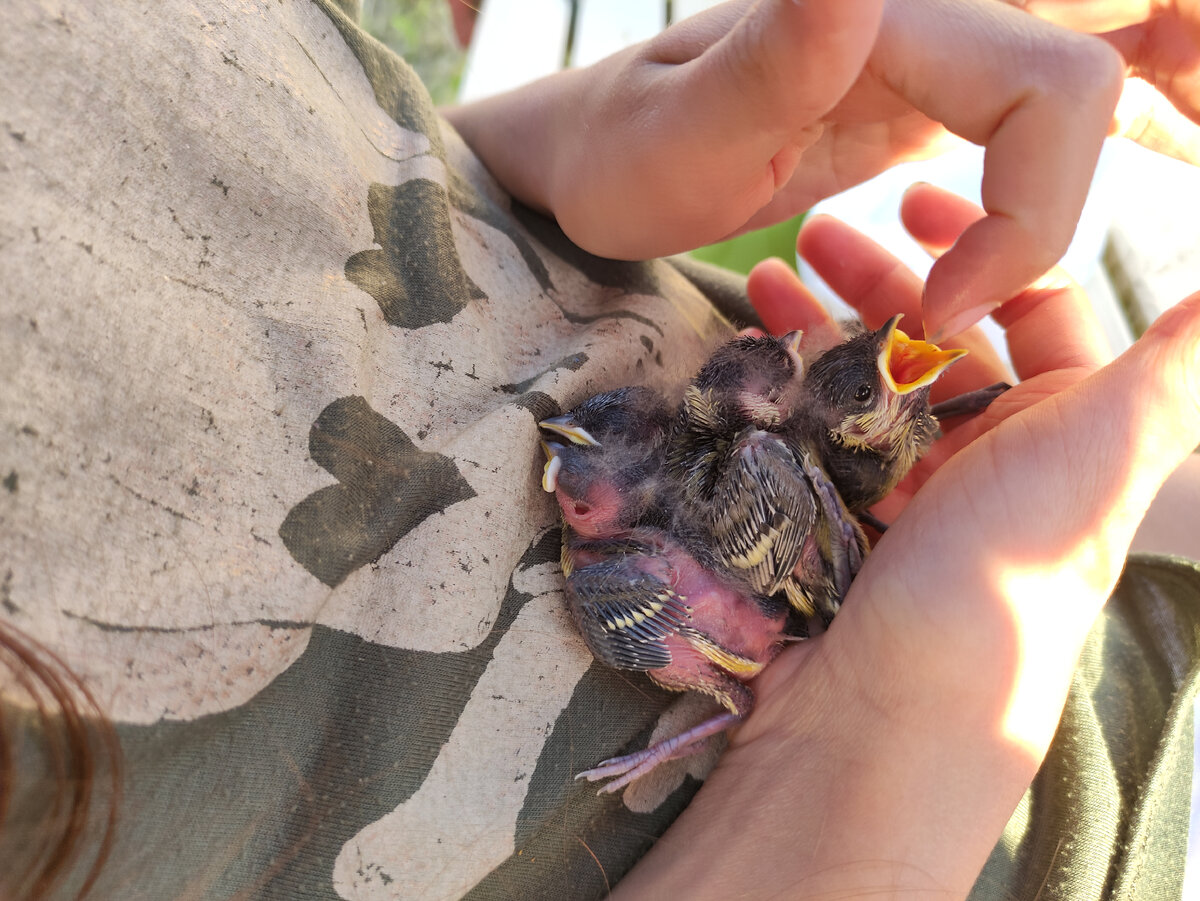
x=862 y=393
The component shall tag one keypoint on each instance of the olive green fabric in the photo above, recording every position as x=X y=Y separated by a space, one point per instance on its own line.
x=1107 y=816
x=273 y=347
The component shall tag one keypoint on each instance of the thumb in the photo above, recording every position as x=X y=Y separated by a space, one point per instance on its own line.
x=1116 y=437
x=1028 y=527
x=934 y=694
x=1063 y=484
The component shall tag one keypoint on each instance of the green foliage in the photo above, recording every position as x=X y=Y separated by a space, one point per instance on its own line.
x=741 y=253
x=422 y=33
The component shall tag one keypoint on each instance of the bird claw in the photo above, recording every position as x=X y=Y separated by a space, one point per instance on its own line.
x=632 y=766
x=969 y=403
x=867 y=518
x=626 y=768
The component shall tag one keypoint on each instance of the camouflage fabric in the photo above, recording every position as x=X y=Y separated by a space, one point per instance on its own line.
x=273 y=346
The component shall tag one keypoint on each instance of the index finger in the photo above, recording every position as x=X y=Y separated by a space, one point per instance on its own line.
x=782 y=301
x=1040 y=99
x=1049 y=326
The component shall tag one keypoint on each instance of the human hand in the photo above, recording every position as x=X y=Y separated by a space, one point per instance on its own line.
x=887 y=754
x=1161 y=45
x=751 y=112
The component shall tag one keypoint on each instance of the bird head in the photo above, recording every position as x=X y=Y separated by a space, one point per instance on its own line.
x=602 y=463
x=633 y=415
x=757 y=379
x=872 y=390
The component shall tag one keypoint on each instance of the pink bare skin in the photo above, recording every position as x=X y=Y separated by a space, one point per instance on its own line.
x=718 y=612
x=599 y=513
x=718 y=609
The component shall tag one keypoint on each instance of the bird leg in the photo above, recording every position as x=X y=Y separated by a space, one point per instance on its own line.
x=734 y=695
x=970 y=403
x=631 y=766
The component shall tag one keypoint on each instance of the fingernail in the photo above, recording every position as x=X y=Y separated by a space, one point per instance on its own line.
x=960 y=322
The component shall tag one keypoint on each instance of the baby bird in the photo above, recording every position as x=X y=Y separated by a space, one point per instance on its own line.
x=761 y=503
x=651 y=606
x=865 y=410
x=607 y=476
x=640 y=596
x=757 y=379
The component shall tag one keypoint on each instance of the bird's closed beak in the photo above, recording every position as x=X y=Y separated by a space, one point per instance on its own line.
x=553 y=465
x=907 y=364
x=791 y=344
x=566 y=426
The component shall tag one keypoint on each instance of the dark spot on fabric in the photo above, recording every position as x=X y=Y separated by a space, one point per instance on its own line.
x=573 y=362
x=540 y=404
x=467 y=200
x=386 y=487
x=415 y=275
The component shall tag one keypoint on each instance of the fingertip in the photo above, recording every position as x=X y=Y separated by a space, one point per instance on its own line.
x=813 y=227
x=768 y=267
x=1176 y=335
x=1182 y=318
x=781 y=299
x=994 y=259
x=825 y=242
x=768 y=277
x=915 y=191
x=1146 y=405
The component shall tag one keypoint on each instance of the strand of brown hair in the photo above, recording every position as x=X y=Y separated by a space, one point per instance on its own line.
x=83 y=757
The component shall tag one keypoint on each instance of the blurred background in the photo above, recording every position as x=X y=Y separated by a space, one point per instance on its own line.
x=423 y=32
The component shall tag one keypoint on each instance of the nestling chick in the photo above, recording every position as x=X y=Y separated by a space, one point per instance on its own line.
x=639 y=596
x=651 y=606
x=613 y=490
x=865 y=412
x=756 y=380
x=759 y=502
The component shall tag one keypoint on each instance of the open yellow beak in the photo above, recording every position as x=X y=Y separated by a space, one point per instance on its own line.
x=907 y=364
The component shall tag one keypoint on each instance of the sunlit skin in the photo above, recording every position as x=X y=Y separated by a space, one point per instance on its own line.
x=885 y=756
x=1160 y=41
x=1054 y=304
